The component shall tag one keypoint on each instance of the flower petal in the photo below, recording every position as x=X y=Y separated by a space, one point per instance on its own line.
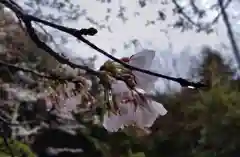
x=142 y=115
x=111 y=122
x=126 y=117
x=144 y=60
x=158 y=108
x=119 y=87
x=146 y=115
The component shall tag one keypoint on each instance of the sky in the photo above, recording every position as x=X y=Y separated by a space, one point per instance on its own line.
x=169 y=43
x=149 y=37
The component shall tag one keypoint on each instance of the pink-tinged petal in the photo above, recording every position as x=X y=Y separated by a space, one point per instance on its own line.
x=139 y=90
x=143 y=115
x=72 y=102
x=144 y=60
x=158 y=108
x=119 y=87
x=128 y=113
x=145 y=81
x=111 y=122
x=145 y=118
x=127 y=117
x=147 y=114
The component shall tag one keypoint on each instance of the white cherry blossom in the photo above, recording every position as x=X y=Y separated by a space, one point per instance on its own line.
x=135 y=108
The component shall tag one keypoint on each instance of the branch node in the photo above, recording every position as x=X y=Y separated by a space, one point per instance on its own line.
x=90 y=31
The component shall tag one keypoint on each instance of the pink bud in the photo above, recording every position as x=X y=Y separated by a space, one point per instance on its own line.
x=125 y=59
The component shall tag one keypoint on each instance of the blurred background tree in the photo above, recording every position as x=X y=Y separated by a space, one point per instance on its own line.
x=201 y=123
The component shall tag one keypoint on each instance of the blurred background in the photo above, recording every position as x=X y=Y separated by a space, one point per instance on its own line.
x=194 y=39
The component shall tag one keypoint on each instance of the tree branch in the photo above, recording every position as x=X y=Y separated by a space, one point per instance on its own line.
x=27 y=19
x=200 y=26
x=230 y=32
x=31 y=32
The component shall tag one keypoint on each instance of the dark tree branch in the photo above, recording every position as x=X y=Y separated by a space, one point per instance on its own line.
x=230 y=32
x=201 y=26
x=27 y=19
x=42 y=45
x=220 y=13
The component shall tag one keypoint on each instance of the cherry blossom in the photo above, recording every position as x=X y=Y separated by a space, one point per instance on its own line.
x=134 y=107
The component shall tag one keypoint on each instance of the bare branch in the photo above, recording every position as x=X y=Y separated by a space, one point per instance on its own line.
x=230 y=32
x=27 y=19
x=42 y=45
x=200 y=26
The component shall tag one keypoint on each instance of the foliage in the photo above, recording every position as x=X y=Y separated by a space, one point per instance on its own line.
x=202 y=123
x=19 y=149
